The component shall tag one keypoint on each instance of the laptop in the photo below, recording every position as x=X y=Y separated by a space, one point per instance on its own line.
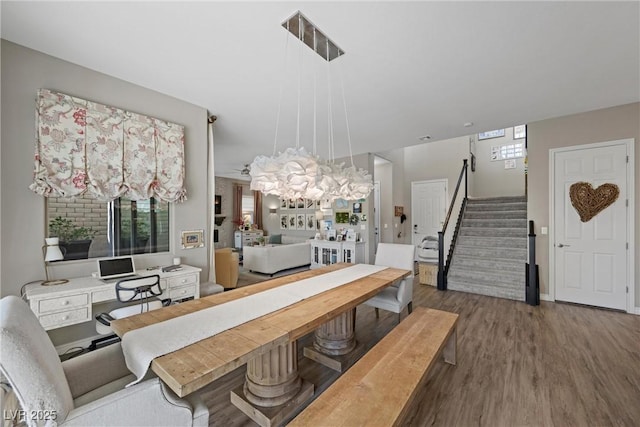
x=116 y=268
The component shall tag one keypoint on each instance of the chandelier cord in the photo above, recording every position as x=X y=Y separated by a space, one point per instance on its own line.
x=285 y=61
x=330 y=111
x=346 y=116
x=301 y=38
x=315 y=90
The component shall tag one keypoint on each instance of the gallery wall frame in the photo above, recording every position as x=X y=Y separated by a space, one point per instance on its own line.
x=497 y=133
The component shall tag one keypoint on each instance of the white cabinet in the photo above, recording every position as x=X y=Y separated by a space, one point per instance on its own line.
x=246 y=238
x=326 y=252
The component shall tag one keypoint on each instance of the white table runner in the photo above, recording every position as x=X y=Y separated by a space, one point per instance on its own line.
x=142 y=345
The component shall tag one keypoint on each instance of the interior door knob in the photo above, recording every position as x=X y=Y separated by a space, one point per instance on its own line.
x=560 y=245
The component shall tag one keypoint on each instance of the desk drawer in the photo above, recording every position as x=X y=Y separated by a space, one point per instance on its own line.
x=105 y=295
x=65 y=318
x=182 y=280
x=60 y=303
x=183 y=292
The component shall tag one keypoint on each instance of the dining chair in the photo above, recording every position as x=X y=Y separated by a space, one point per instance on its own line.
x=399 y=295
x=87 y=390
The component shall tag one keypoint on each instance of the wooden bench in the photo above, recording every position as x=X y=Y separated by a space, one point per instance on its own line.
x=379 y=389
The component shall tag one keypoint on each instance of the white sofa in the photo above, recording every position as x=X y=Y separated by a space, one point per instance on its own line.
x=270 y=259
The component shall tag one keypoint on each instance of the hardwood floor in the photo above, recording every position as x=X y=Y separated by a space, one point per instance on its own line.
x=551 y=365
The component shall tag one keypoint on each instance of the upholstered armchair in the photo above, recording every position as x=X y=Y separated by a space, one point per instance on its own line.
x=397 y=296
x=227 y=267
x=88 y=390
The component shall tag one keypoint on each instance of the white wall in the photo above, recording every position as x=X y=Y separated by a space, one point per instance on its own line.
x=24 y=71
x=491 y=179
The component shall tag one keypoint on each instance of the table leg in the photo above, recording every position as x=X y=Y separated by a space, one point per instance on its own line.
x=273 y=390
x=335 y=344
x=337 y=336
x=272 y=378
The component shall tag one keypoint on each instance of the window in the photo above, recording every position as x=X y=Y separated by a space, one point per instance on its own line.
x=120 y=227
x=247 y=209
x=507 y=151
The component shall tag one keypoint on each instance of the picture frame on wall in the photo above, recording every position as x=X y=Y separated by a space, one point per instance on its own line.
x=520 y=132
x=292 y=221
x=309 y=204
x=284 y=204
x=311 y=221
x=301 y=220
x=218 y=205
x=491 y=134
x=342 y=204
x=357 y=207
x=342 y=217
x=192 y=239
x=300 y=203
x=284 y=221
x=292 y=203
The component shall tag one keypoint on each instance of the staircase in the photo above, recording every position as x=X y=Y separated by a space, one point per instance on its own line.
x=491 y=250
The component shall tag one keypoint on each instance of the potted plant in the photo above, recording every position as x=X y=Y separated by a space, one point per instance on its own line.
x=74 y=240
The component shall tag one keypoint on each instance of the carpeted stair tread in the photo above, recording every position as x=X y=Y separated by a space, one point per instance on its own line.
x=503 y=253
x=495 y=223
x=487 y=275
x=493 y=232
x=492 y=242
x=494 y=207
x=488 y=289
x=496 y=215
x=498 y=200
x=481 y=263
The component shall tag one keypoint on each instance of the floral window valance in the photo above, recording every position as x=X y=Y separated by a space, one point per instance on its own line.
x=83 y=147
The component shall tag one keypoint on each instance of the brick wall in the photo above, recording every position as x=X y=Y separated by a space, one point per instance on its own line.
x=84 y=212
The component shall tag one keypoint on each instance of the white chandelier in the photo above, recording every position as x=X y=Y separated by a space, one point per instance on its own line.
x=296 y=173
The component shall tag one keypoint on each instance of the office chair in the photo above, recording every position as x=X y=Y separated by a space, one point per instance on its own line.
x=145 y=289
x=397 y=296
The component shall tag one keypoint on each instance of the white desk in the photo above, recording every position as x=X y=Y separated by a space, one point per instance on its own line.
x=72 y=302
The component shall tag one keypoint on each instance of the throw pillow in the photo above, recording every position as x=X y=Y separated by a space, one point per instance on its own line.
x=275 y=239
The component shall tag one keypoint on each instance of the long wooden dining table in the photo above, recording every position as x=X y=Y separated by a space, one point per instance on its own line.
x=266 y=344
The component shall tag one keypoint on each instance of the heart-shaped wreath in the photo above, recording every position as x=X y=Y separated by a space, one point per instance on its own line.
x=589 y=202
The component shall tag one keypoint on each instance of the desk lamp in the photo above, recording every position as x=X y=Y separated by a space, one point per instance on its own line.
x=51 y=252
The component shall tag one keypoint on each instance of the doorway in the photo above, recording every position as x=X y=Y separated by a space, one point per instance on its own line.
x=591 y=261
x=428 y=208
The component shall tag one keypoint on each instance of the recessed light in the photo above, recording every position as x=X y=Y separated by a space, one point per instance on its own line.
x=424 y=138
x=468 y=124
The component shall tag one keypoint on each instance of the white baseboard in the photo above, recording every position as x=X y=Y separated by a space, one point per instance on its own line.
x=83 y=343
x=546 y=297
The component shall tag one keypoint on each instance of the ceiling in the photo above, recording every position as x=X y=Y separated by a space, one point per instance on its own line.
x=410 y=68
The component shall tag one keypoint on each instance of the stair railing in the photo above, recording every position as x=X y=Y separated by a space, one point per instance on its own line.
x=532 y=290
x=442 y=270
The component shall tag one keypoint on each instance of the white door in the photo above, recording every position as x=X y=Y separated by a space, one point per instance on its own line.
x=590 y=258
x=428 y=208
